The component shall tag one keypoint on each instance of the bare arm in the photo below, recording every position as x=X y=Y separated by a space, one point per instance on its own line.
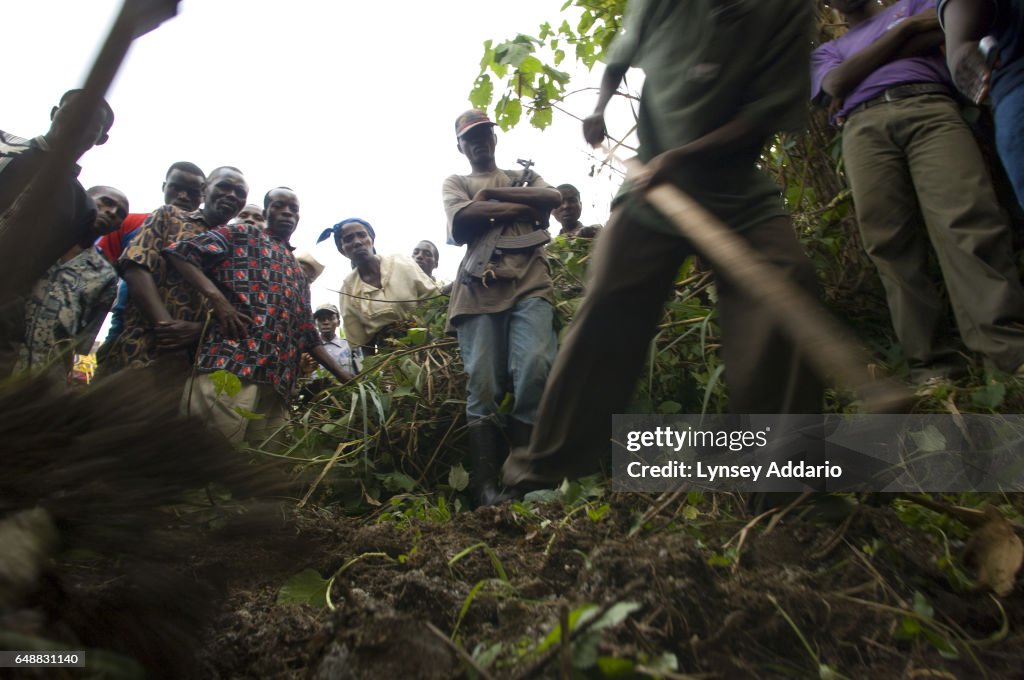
x=505 y=204
x=536 y=197
x=898 y=43
x=143 y=291
x=966 y=23
x=170 y=333
x=593 y=125
x=325 y=359
x=234 y=323
x=479 y=216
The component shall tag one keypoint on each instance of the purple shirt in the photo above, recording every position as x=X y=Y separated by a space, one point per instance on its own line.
x=929 y=69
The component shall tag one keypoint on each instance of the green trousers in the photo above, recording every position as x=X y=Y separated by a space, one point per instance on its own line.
x=919 y=182
x=632 y=271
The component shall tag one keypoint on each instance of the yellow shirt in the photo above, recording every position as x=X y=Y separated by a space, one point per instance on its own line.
x=366 y=310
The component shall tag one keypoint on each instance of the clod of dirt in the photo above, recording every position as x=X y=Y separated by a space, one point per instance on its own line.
x=997 y=553
x=380 y=643
x=28 y=537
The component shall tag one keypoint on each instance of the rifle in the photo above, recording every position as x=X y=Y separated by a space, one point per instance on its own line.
x=479 y=263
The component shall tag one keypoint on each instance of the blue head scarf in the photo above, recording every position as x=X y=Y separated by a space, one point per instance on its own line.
x=336 y=231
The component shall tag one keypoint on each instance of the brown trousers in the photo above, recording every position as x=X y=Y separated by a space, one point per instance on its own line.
x=632 y=272
x=919 y=183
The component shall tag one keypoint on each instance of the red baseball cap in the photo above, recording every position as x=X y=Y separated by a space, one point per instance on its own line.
x=469 y=120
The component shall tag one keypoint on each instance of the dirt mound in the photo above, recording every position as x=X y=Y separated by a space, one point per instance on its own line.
x=861 y=596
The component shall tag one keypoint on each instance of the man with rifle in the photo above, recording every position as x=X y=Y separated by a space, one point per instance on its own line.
x=501 y=300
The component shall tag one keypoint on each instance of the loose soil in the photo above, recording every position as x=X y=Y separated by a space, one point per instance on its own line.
x=802 y=598
x=841 y=586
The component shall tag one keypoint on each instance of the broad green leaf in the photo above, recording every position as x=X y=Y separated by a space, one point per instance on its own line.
x=826 y=672
x=512 y=53
x=615 y=615
x=485 y=656
x=946 y=648
x=586 y=21
x=306 y=587
x=458 y=478
x=482 y=93
x=397 y=481
x=664 y=662
x=226 y=383
x=542 y=496
x=531 y=64
x=488 y=58
x=929 y=439
x=990 y=396
x=556 y=633
x=598 y=513
x=560 y=77
x=614 y=667
x=584 y=650
x=508 y=112
x=670 y=407
x=417 y=336
x=921 y=606
x=910 y=627
x=541 y=118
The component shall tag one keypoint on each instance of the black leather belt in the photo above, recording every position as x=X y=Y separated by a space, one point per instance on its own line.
x=898 y=92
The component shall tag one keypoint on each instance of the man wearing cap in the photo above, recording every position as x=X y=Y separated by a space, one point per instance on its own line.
x=501 y=299
x=919 y=184
x=263 y=321
x=328 y=319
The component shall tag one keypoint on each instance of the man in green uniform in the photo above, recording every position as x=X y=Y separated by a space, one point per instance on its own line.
x=721 y=78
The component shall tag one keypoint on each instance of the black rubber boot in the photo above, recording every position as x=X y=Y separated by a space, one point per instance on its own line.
x=519 y=434
x=487 y=451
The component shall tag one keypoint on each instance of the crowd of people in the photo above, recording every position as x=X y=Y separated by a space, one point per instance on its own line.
x=209 y=283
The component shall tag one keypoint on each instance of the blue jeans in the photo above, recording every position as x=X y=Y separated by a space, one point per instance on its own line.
x=516 y=346
x=1009 y=116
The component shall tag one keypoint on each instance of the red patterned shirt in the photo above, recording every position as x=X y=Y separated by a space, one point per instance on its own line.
x=261 y=278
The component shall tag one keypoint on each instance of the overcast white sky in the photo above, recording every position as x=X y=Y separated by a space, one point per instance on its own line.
x=352 y=104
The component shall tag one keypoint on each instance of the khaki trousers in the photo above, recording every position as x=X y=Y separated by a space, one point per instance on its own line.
x=200 y=399
x=919 y=182
x=632 y=272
